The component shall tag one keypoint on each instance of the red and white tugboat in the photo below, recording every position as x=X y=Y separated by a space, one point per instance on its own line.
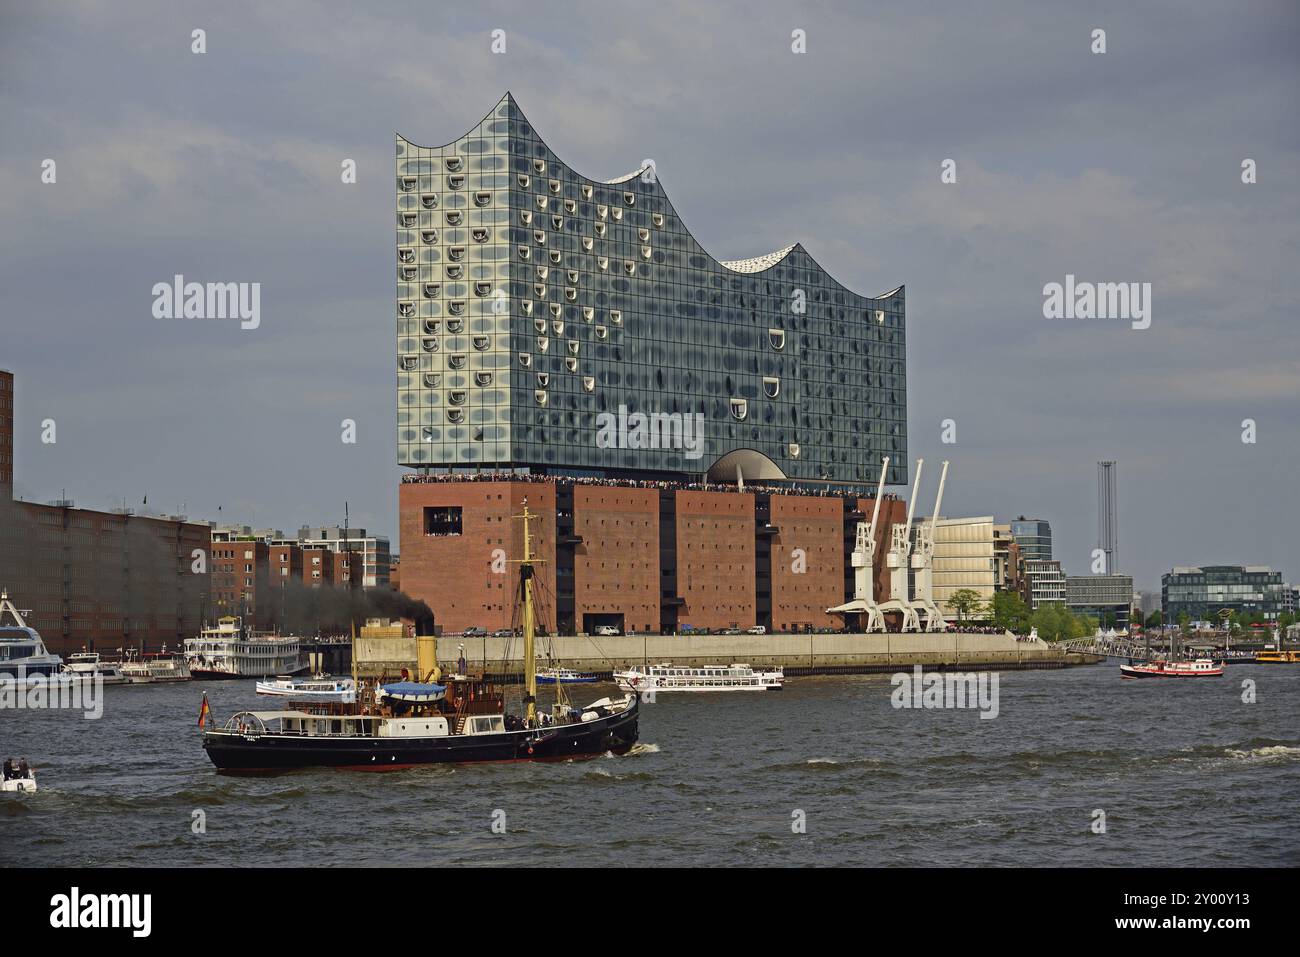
x=1200 y=668
x=1175 y=666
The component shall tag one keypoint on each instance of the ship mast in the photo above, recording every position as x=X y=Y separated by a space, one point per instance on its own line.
x=530 y=665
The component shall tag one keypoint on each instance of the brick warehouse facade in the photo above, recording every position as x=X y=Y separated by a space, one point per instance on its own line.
x=97 y=579
x=647 y=560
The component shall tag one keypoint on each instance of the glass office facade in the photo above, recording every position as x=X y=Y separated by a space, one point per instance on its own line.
x=1202 y=593
x=530 y=300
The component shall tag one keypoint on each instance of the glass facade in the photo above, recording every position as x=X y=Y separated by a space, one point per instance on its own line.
x=1202 y=593
x=530 y=300
x=1034 y=536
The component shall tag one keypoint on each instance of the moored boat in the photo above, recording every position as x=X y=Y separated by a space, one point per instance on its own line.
x=549 y=676
x=89 y=666
x=155 y=668
x=22 y=652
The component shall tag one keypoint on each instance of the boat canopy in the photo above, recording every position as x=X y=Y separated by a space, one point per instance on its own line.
x=414 y=691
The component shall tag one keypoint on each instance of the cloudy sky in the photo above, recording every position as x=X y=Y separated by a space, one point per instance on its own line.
x=1117 y=167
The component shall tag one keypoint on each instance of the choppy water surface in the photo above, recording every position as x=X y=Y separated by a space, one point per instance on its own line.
x=1186 y=773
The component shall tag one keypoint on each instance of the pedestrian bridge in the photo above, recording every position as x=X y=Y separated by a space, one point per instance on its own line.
x=1107 y=647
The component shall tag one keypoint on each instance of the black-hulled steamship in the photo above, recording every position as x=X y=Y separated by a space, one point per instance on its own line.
x=454 y=719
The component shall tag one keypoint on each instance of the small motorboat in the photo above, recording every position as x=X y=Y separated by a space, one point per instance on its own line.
x=16 y=781
x=319 y=688
x=1160 y=668
x=567 y=676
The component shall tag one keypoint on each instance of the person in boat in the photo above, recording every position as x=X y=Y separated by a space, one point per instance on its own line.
x=9 y=768
x=23 y=770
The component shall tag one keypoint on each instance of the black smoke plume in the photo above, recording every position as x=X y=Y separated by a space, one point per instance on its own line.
x=305 y=610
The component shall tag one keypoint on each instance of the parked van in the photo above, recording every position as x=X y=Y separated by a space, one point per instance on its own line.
x=758 y=630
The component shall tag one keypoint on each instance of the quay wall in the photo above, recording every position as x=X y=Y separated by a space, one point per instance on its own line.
x=797 y=654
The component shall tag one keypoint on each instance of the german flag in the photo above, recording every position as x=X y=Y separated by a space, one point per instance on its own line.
x=204 y=710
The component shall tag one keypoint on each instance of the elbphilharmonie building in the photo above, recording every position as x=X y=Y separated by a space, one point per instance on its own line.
x=536 y=306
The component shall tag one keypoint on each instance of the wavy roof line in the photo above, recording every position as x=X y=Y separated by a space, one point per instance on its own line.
x=758 y=263
x=744 y=266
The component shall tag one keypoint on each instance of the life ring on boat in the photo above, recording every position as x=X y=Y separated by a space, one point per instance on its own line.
x=634 y=681
x=530 y=749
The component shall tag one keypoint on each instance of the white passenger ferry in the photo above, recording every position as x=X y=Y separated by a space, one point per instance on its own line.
x=668 y=677
x=226 y=650
x=22 y=653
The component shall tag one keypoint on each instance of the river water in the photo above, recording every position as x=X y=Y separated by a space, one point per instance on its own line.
x=826 y=772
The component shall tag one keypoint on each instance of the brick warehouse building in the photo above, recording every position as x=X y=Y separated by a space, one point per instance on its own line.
x=96 y=579
x=647 y=560
x=534 y=304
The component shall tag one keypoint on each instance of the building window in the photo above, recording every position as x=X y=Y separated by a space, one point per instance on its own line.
x=443 y=521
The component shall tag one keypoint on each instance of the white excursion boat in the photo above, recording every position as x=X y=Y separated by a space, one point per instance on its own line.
x=668 y=677
x=153 y=668
x=319 y=688
x=226 y=650
x=88 y=666
x=22 y=653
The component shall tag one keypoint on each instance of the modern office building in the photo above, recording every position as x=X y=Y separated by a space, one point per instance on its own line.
x=1107 y=598
x=698 y=438
x=1044 y=583
x=98 y=580
x=963 y=559
x=1044 y=580
x=1034 y=536
x=1203 y=592
x=554 y=323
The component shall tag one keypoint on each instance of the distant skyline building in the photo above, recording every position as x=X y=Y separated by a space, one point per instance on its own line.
x=1108 y=598
x=1045 y=583
x=370 y=553
x=1044 y=580
x=1203 y=592
x=552 y=323
x=1034 y=536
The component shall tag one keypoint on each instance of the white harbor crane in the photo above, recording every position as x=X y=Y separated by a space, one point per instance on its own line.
x=900 y=546
x=922 y=558
x=864 y=563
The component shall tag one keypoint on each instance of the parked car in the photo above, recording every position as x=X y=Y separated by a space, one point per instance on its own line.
x=503 y=633
x=758 y=630
x=607 y=630
x=474 y=632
